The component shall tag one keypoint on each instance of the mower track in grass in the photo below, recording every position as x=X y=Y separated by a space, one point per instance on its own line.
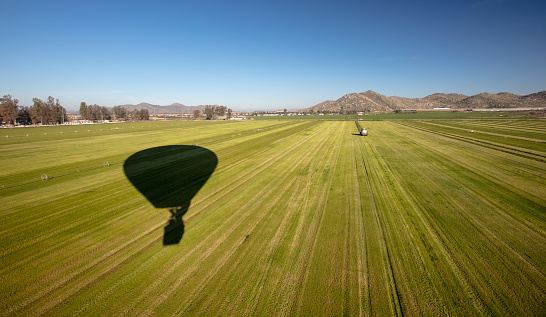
x=497 y=217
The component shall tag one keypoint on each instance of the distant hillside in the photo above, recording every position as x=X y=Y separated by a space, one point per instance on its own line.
x=155 y=109
x=371 y=101
x=445 y=98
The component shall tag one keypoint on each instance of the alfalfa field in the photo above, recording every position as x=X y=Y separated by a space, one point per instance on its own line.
x=274 y=218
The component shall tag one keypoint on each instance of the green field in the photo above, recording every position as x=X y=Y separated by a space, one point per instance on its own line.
x=285 y=218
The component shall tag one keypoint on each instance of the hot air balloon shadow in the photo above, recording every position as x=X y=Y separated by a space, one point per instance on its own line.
x=169 y=177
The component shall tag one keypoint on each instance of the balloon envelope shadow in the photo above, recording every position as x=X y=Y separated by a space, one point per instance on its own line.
x=169 y=177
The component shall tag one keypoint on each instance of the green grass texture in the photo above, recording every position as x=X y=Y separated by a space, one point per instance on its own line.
x=274 y=218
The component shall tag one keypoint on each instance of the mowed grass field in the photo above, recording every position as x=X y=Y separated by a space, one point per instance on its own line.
x=296 y=218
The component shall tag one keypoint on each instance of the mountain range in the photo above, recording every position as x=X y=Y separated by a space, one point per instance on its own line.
x=371 y=101
x=172 y=108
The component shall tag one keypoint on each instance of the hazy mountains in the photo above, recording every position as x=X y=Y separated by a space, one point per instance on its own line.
x=372 y=101
x=155 y=109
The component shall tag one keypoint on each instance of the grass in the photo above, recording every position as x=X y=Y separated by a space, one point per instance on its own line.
x=298 y=218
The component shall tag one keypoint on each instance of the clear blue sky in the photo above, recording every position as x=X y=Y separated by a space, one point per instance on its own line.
x=251 y=55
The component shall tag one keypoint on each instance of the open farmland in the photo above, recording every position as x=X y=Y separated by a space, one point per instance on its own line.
x=279 y=218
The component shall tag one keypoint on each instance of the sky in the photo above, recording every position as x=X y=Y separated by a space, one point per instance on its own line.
x=267 y=55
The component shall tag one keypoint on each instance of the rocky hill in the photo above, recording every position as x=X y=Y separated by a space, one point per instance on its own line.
x=371 y=101
x=155 y=109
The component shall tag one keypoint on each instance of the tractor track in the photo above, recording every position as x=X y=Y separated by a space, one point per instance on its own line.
x=396 y=307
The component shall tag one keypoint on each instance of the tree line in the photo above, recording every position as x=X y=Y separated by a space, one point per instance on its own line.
x=96 y=113
x=49 y=111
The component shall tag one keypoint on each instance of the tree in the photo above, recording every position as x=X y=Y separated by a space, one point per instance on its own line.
x=36 y=110
x=120 y=112
x=144 y=114
x=95 y=113
x=196 y=114
x=40 y=112
x=83 y=110
x=23 y=116
x=134 y=115
x=64 y=115
x=8 y=109
x=45 y=114
x=55 y=111
x=105 y=113
x=221 y=110
x=229 y=112
x=210 y=111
